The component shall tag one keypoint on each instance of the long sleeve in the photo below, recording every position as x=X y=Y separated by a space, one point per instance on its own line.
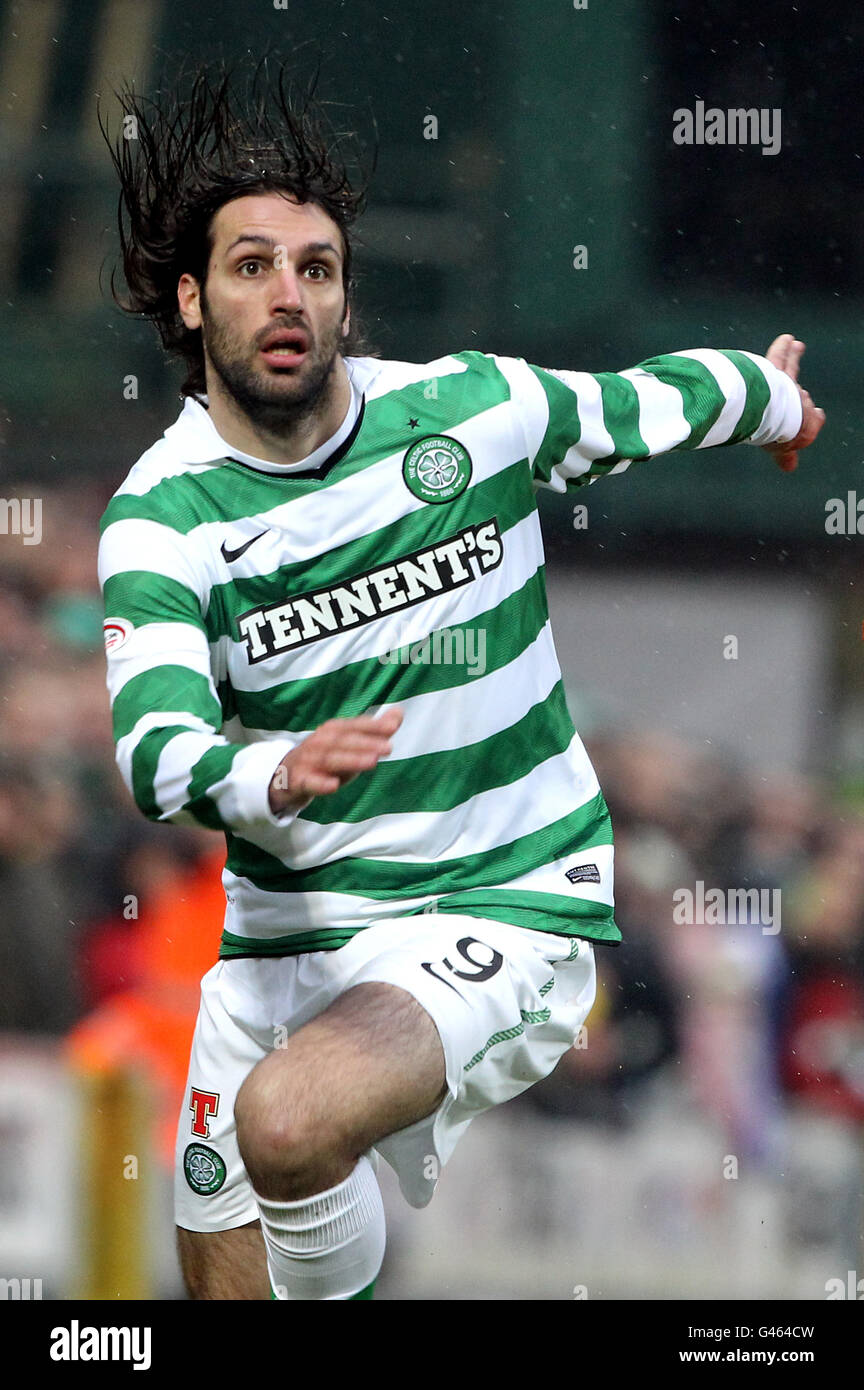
x=578 y=427
x=166 y=710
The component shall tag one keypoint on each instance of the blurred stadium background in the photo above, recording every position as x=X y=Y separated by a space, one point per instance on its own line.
x=707 y=1142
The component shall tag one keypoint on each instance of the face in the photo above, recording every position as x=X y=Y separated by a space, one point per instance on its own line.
x=272 y=309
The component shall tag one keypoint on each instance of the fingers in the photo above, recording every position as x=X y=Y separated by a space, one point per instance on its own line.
x=343 y=760
x=793 y=358
x=316 y=784
x=785 y=353
x=354 y=745
x=813 y=418
x=386 y=723
x=334 y=754
x=778 y=352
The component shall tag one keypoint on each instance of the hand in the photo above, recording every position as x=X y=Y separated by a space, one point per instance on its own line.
x=785 y=353
x=334 y=754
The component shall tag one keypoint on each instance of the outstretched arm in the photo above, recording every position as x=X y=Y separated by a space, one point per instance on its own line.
x=579 y=426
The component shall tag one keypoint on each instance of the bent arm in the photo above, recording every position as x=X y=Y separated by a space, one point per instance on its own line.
x=166 y=710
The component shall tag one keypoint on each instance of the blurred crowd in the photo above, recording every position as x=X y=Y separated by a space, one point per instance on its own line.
x=78 y=862
x=748 y=1011
x=748 y=1017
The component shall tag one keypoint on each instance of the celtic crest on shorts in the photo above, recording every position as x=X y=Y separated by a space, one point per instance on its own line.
x=437 y=468
x=205 y=1170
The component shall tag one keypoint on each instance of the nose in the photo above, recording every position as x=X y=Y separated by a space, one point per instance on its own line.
x=286 y=294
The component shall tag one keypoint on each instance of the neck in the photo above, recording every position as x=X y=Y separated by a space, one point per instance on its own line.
x=286 y=440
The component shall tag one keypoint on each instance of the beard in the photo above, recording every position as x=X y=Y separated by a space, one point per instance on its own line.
x=272 y=402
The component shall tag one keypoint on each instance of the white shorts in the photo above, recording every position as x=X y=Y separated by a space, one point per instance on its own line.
x=507 y=1002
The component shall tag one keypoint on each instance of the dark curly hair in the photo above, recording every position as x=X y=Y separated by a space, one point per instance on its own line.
x=181 y=158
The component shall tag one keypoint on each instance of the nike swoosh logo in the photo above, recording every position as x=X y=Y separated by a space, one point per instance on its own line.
x=229 y=556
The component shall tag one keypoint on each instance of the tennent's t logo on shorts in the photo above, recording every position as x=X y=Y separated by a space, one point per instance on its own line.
x=203 y=1104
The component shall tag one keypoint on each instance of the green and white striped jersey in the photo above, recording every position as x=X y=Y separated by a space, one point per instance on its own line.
x=248 y=602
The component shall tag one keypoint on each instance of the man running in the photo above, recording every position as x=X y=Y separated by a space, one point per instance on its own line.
x=419 y=856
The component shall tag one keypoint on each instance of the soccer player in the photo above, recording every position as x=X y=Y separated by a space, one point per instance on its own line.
x=419 y=856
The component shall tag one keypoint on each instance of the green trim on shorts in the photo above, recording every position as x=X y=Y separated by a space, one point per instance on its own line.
x=539 y=1016
x=506 y=1034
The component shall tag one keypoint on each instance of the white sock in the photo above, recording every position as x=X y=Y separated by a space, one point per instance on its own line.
x=330 y=1245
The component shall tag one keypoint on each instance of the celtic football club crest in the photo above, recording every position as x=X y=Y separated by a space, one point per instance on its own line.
x=204 y=1169
x=437 y=469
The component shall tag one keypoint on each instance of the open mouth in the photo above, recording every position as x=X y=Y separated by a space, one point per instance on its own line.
x=288 y=347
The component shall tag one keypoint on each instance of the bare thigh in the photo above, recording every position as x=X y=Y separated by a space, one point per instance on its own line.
x=369 y=1065
x=224 y=1264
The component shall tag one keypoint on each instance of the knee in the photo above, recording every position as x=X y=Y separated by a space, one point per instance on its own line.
x=271 y=1134
x=284 y=1144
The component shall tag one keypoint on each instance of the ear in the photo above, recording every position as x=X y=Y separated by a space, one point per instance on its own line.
x=189 y=300
x=346 y=322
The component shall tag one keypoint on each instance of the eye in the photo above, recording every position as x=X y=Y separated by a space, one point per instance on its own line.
x=243 y=267
x=319 y=266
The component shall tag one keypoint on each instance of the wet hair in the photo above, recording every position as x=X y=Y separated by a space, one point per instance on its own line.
x=182 y=157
